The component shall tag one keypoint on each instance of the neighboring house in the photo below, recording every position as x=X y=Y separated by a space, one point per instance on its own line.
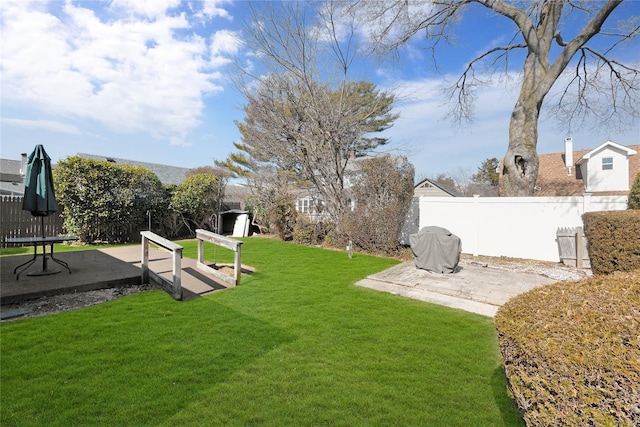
x=165 y=173
x=12 y=176
x=308 y=200
x=607 y=170
x=430 y=188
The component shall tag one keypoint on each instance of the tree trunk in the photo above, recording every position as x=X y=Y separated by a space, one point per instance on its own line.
x=520 y=165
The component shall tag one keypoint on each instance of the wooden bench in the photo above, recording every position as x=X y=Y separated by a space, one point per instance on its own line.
x=175 y=286
x=226 y=242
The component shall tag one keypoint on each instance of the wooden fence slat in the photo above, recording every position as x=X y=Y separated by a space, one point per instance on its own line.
x=18 y=223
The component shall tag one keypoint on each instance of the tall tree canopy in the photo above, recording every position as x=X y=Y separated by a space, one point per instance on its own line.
x=488 y=172
x=303 y=116
x=540 y=28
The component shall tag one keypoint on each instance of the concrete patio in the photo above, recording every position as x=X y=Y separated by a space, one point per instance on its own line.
x=473 y=288
x=98 y=269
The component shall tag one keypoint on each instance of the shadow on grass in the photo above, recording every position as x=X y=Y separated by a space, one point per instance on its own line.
x=507 y=406
x=138 y=361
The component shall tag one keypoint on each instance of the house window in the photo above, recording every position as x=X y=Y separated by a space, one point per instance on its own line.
x=303 y=205
x=607 y=163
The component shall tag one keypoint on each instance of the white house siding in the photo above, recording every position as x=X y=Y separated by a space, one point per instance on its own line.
x=615 y=179
x=516 y=227
x=427 y=189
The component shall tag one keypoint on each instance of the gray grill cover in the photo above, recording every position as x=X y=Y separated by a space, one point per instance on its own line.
x=436 y=249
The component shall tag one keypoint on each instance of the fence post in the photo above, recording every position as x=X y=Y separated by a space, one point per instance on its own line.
x=579 y=253
x=476 y=214
x=586 y=202
x=145 y=260
x=177 y=285
x=200 y=251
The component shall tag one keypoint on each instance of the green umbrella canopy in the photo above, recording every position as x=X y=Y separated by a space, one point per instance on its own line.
x=39 y=194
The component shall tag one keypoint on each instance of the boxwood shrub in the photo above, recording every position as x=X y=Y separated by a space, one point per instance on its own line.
x=571 y=351
x=613 y=240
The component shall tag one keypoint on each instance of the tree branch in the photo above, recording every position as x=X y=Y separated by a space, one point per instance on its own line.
x=462 y=109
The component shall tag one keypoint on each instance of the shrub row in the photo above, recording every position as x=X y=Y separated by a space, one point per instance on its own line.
x=104 y=201
x=613 y=240
x=571 y=351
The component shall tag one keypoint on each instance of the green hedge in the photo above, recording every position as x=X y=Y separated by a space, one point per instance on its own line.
x=104 y=201
x=613 y=240
x=634 y=194
x=571 y=351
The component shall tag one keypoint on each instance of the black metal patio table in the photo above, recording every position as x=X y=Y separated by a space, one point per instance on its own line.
x=35 y=242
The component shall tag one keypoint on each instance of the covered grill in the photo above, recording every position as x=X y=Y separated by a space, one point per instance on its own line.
x=436 y=249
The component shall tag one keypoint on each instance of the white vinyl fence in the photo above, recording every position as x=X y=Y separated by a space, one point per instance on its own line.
x=515 y=227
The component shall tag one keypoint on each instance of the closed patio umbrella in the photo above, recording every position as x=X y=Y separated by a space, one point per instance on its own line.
x=40 y=200
x=39 y=194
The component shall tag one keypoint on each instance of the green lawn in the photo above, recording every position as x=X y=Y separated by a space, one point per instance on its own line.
x=296 y=344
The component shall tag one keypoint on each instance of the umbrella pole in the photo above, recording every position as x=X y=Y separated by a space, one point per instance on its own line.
x=44 y=246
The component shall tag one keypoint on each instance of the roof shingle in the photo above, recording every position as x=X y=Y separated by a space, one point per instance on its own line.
x=554 y=180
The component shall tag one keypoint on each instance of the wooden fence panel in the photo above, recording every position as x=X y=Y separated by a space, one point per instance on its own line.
x=18 y=223
x=568 y=247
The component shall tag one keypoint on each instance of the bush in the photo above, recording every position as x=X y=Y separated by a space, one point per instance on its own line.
x=309 y=232
x=106 y=201
x=634 y=195
x=281 y=216
x=271 y=202
x=571 y=351
x=613 y=240
x=197 y=200
x=382 y=190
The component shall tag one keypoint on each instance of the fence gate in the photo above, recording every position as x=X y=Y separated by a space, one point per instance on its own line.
x=572 y=245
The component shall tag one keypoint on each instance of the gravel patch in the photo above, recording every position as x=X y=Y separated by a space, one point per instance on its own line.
x=556 y=271
x=65 y=302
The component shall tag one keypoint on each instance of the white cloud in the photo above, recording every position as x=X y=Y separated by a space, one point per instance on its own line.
x=49 y=125
x=223 y=43
x=133 y=74
x=148 y=8
x=212 y=9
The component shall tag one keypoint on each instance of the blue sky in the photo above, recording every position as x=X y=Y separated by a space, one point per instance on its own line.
x=149 y=81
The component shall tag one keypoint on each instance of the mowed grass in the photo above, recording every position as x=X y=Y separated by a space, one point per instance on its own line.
x=296 y=344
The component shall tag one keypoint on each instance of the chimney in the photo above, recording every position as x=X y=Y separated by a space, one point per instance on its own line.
x=23 y=165
x=568 y=154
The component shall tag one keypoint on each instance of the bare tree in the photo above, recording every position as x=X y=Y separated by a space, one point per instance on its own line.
x=538 y=33
x=382 y=193
x=272 y=200
x=302 y=115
